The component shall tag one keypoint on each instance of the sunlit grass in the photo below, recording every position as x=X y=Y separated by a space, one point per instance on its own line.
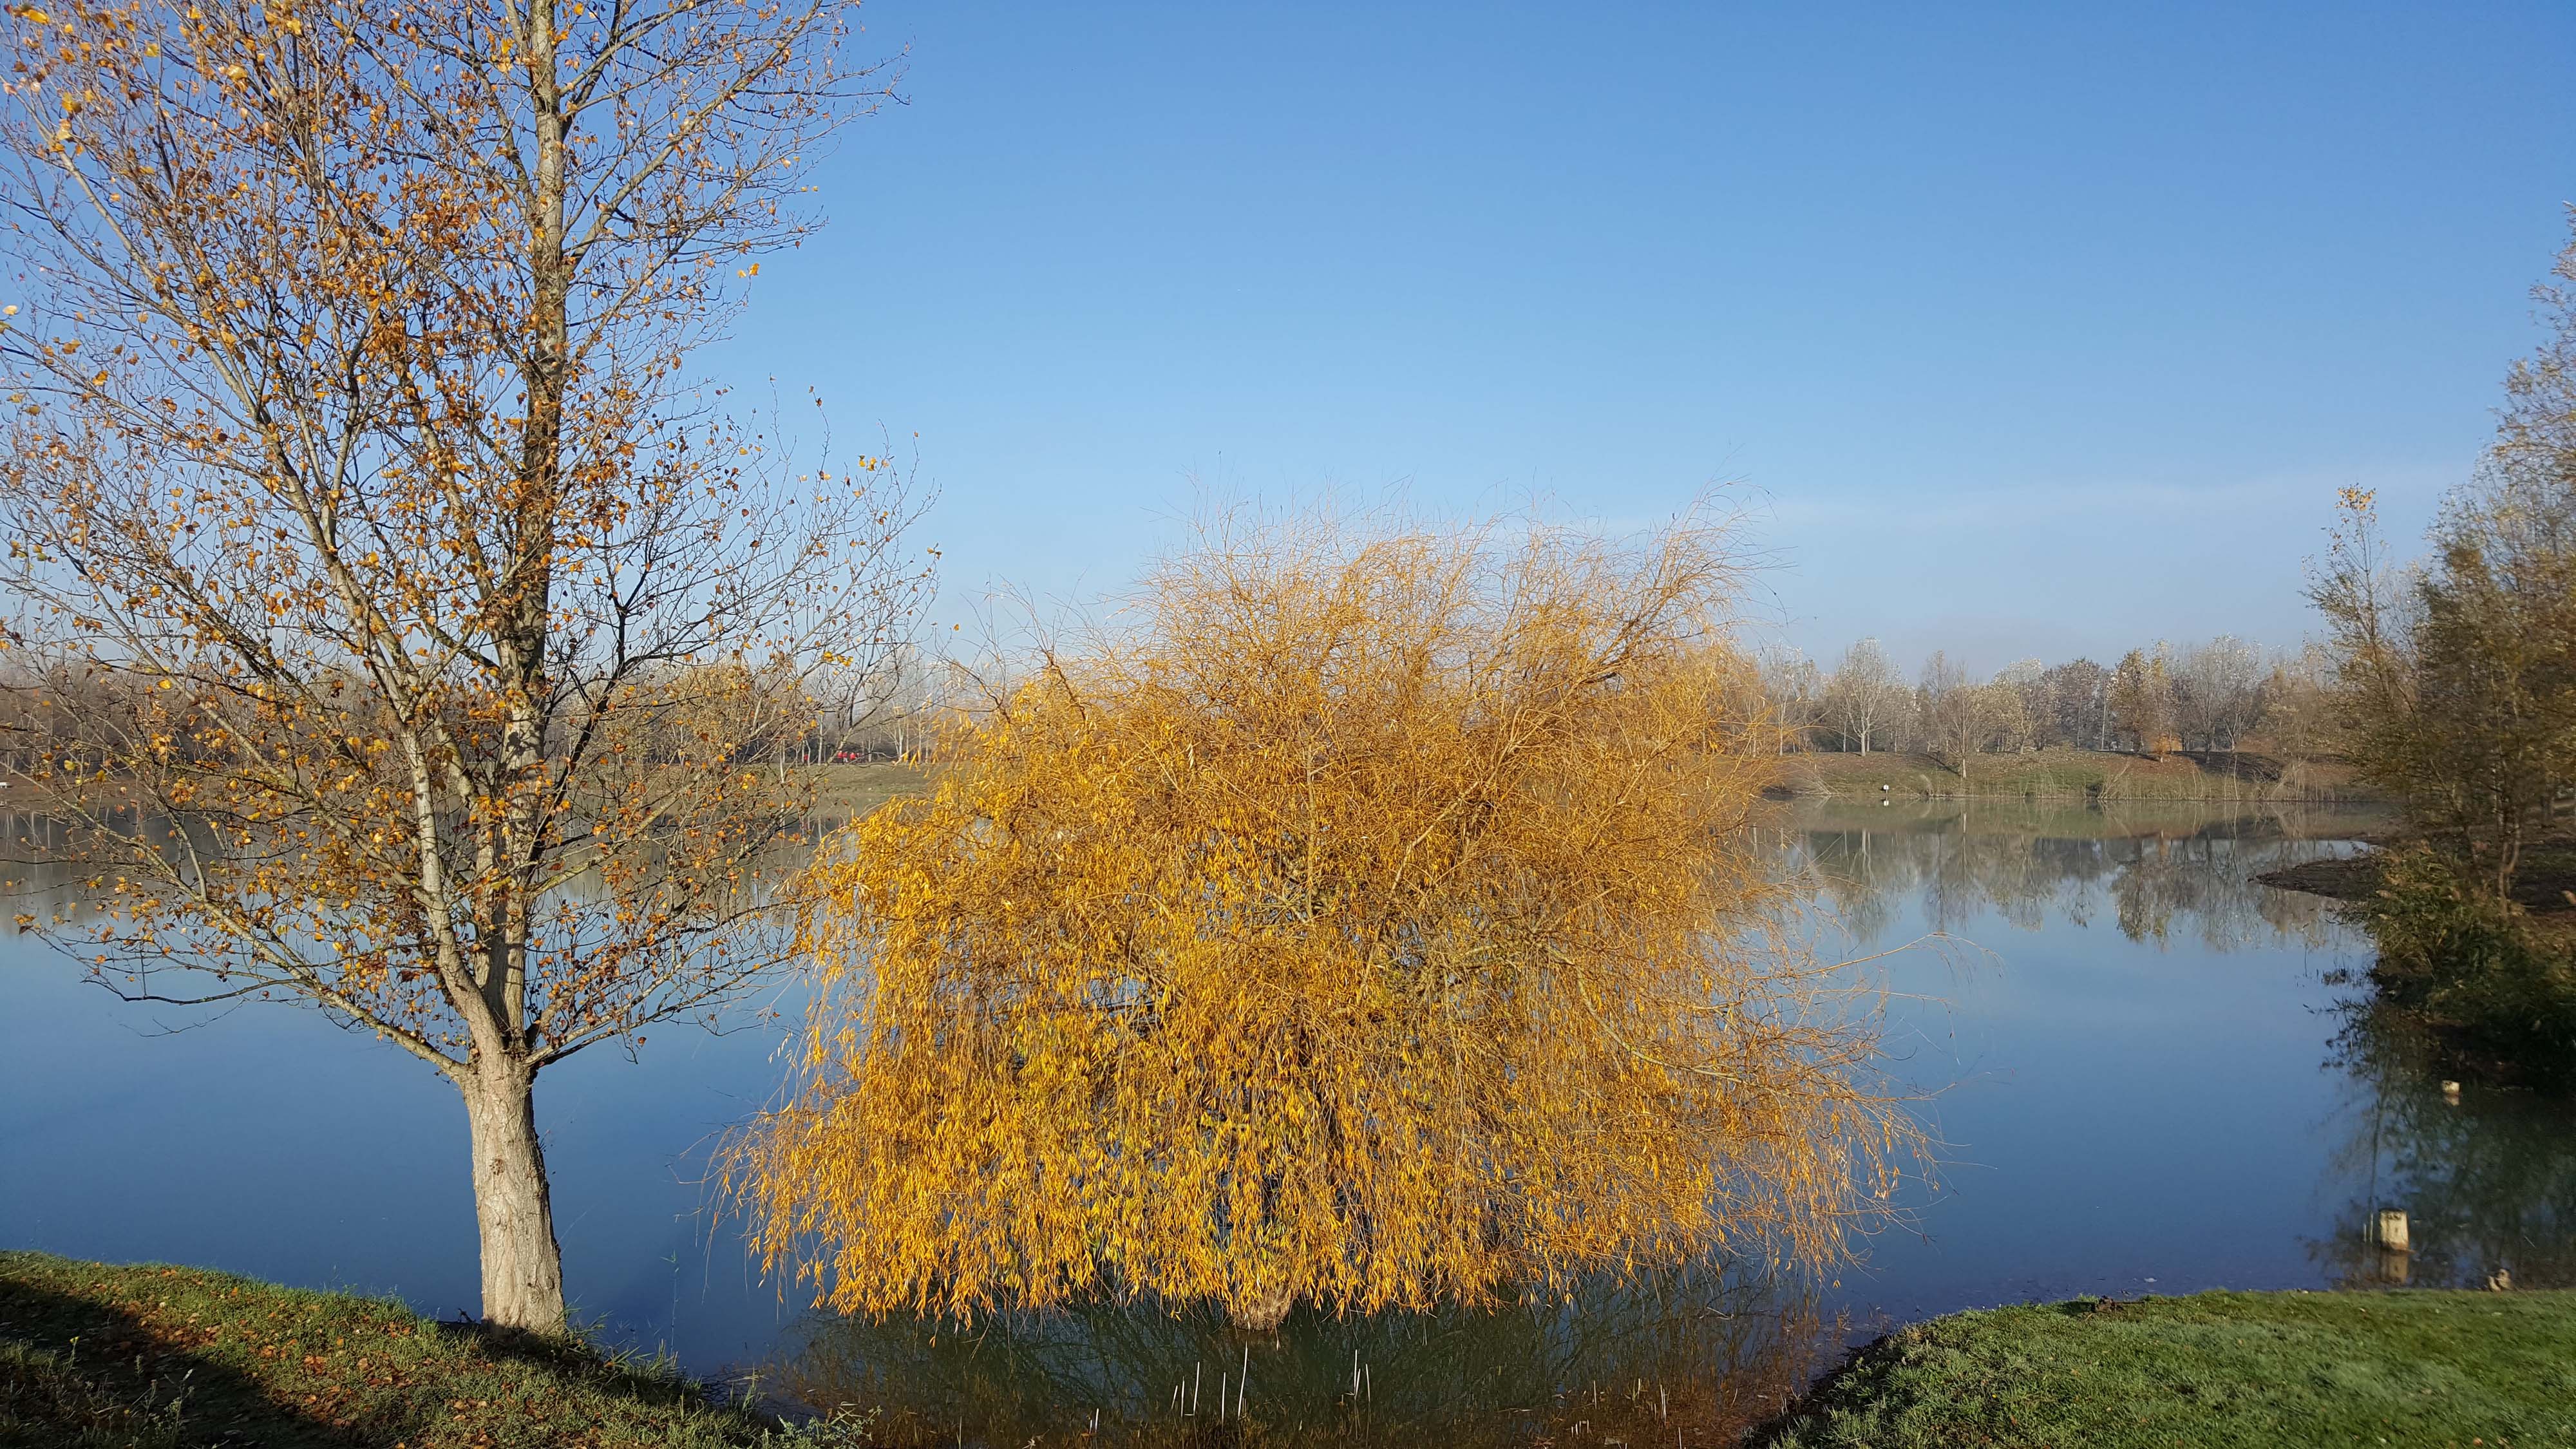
x=2215 y=1369
x=2079 y=775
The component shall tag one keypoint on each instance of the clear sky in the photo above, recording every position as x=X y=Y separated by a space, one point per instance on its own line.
x=2029 y=329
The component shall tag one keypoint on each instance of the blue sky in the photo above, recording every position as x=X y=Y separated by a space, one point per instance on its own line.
x=2028 y=330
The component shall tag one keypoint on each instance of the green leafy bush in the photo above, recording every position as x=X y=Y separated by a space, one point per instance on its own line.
x=2471 y=965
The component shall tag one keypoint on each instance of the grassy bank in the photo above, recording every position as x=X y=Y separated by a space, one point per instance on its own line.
x=93 y=1356
x=2060 y=818
x=2215 y=1369
x=848 y=791
x=2077 y=775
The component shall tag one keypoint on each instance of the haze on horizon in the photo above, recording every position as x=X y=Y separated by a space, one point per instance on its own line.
x=2026 y=333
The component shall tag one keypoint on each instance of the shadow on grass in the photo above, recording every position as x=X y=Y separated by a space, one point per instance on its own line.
x=92 y=1355
x=2244 y=768
x=86 y=1373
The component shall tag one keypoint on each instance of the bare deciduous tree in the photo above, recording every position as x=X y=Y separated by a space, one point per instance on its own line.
x=2078 y=710
x=1961 y=718
x=2217 y=692
x=1794 y=689
x=1864 y=699
x=406 y=622
x=2032 y=704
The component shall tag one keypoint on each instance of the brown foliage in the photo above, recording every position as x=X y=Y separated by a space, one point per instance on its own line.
x=2456 y=677
x=364 y=523
x=1372 y=921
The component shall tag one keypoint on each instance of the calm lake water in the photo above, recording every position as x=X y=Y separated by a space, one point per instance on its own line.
x=2144 y=1067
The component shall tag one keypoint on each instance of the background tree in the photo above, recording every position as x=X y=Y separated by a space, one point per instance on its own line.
x=2509 y=539
x=2213 y=696
x=1372 y=920
x=1794 y=689
x=2298 y=722
x=2455 y=690
x=2217 y=692
x=2140 y=701
x=399 y=623
x=2455 y=681
x=2033 y=703
x=1961 y=718
x=1864 y=699
x=2448 y=686
x=882 y=713
x=2078 y=711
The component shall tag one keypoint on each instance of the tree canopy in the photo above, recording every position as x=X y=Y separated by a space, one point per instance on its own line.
x=2456 y=676
x=395 y=611
x=1369 y=918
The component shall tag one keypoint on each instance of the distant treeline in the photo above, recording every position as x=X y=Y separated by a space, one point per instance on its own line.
x=92 y=715
x=2225 y=694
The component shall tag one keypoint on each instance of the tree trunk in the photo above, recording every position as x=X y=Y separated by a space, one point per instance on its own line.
x=1260 y=1311
x=522 y=1264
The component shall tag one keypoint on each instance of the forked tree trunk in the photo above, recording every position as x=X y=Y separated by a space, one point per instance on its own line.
x=522 y=1264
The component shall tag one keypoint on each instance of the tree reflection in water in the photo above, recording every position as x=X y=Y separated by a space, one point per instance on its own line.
x=2154 y=872
x=2487 y=1184
x=1700 y=1356
x=1694 y=1354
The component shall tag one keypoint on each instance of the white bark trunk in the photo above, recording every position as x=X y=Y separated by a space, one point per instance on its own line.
x=522 y=1264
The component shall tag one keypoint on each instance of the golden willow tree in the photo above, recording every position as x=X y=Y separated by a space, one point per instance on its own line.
x=1374 y=920
x=399 y=627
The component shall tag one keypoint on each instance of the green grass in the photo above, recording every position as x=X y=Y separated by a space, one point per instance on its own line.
x=149 y=1357
x=2212 y=1370
x=154 y=1357
x=2076 y=774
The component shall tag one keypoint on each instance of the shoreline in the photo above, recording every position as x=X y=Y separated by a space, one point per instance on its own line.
x=2220 y=777
x=157 y=1356
x=2399 y=1366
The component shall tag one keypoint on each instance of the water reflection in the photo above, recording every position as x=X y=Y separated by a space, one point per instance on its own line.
x=2164 y=1087
x=2154 y=874
x=2487 y=1181
x=1683 y=1357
